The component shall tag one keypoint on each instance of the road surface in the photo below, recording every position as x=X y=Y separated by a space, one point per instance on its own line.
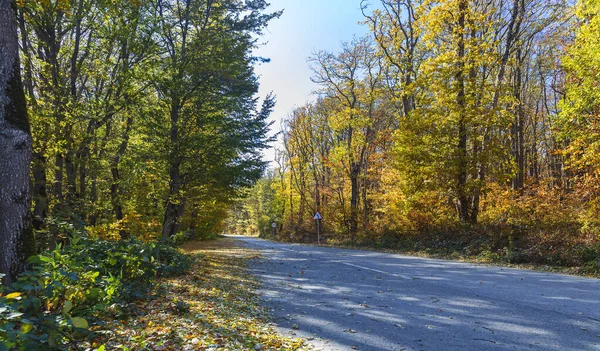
x=358 y=300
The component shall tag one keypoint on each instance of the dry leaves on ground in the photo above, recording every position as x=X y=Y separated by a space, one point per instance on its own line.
x=213 y=307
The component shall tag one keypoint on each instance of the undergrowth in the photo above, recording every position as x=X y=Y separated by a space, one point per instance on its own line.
x=129 y=295
x=62 y=301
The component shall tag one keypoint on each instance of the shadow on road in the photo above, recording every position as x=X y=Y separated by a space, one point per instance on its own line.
x=348 y=299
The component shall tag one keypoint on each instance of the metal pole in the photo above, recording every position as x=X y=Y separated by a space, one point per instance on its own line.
x=318 y=231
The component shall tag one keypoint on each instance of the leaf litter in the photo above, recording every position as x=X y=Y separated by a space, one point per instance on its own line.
x=213 y=307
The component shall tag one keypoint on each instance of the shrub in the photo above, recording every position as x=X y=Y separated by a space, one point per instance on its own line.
x=53 y=304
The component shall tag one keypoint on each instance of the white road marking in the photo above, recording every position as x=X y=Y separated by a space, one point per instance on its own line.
x=402 y=276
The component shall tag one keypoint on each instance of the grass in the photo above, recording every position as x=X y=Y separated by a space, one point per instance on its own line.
x=213 y=307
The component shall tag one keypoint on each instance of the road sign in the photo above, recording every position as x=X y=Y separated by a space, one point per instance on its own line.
x=274 y=225
x=318 y=219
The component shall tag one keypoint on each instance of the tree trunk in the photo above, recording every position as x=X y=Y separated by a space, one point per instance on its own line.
x=58 y=179
x=518 y=143
x=194 y=219
x=71 y=172
x=534 y=151
x=116 y=201
x=16 y=235
x=365 y=202
x=82 y=159
x=354 y=175
x=291 y=197
x=462 y=174
x=513 y=33
x=171 y=221
x=40 y=191
x=115 y=189
x=54 y=234
x=180 y=212
x=300 y=183
x=95 y=215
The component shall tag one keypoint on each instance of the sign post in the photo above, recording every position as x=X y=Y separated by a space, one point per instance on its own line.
x=274 y=225
x=318 y=218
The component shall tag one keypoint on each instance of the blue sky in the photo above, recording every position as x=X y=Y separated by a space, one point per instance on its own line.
x=305 y=27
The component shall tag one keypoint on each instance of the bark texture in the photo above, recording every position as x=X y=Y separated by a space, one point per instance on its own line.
x=16 y=235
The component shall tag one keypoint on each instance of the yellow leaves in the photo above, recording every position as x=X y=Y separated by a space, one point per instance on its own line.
x=588 y=8
x=13 y=296
x=64 y=6
x=105 y=231
x=580 y=110
x=145 y=229
x=26 y=328
x=214 y=308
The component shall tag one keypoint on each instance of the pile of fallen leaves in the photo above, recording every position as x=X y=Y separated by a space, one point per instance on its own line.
x=213 y=307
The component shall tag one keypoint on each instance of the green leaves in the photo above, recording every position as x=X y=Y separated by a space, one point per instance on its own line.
x=68 y=306
x=39 y=259
x=79 y=322
x=68 y=289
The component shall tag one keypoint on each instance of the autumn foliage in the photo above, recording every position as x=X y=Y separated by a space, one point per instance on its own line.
x=458 y=128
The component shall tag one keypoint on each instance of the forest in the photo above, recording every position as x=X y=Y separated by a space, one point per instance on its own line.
x=126 y=127
x=467 y=129
x=461 y=128
x=144 y=116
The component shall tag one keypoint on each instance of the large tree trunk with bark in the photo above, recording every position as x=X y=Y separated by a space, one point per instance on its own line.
x=16 y=235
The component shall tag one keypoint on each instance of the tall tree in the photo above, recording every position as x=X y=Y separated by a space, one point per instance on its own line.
x=353 y=79
x=446 y=141
x=397 y=35
x=209 y=94
x=16 y=236
x=579 y=119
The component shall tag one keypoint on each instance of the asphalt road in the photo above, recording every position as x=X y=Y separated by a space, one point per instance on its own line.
x=347 y=299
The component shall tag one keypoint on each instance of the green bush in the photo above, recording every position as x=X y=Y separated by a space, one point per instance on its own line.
x=69 y=289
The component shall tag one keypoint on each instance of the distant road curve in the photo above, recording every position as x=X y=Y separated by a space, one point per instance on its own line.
x=359 y=300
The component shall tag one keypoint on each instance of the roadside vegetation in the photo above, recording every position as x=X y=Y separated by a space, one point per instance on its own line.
x=141 y=118
x=127 y=128
x=66 y=296
x=455 y=128
x=101 y=295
